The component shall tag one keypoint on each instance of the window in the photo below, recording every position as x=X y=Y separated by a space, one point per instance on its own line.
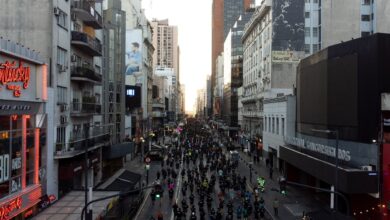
x=307 y=1
x=61 y=133
x=277 y=126
x=366 y=18
x=366 y=2
x=61 y=94
x=315 y=48
x=62 y=20
x=307 y=48
x=307 y=14
x=273 y=125
x=282 y=131
x=315 y=1
x=307 y=32
x=315 y=31
x=61 y=56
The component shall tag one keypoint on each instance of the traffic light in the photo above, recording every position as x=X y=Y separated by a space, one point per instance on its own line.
x=282 y=187
x=158 y=191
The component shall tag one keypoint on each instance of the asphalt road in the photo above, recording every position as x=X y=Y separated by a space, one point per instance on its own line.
x=164 y=204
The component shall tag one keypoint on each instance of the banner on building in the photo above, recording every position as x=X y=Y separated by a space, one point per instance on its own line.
x=285 y=56
x=133 y=52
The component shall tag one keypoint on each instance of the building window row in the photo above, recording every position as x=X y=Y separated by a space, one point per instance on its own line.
x=275 y=125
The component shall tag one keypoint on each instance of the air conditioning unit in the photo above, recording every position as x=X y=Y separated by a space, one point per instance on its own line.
x=62 y=68
x=73 y=58
x=366 y=168
x=63 y=119
x=56 y=11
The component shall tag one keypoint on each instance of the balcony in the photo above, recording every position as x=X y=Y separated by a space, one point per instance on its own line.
x=158 y=105
x=99 y=137
x=85 y=74
x=87 y=13
x=86 y=43
x=87 y=107
x=248 y=99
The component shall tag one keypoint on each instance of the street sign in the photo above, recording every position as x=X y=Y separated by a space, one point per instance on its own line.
x=147 y=160
x=147 y=166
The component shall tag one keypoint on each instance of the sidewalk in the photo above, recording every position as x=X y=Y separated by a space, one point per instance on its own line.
x=291 y=206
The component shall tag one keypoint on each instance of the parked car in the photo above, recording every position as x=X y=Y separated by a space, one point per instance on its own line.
x=155 y=155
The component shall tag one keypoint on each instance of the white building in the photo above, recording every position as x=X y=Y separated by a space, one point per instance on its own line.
x=279 y=121
x=328 y=22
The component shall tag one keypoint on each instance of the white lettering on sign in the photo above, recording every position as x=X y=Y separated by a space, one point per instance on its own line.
x=4 y=168
x=16 y=184
x=320 y=148
x=16 y=163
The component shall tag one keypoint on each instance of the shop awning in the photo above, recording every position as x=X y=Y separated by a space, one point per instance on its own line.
x=123 y=180
x=350 y=180
x=118 y=150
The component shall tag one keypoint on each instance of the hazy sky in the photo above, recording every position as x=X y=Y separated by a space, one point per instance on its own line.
x=193 y=19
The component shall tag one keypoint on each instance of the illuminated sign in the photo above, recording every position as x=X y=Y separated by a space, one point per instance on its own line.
x=10 y=74
x=130 y=92
x=9 y=207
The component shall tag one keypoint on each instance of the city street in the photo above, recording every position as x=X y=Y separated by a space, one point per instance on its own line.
x=164 y=204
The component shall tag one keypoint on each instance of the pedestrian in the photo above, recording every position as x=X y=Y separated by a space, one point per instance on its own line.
x=267 y=162
x=275 y=205
x=271 y=171
x=160 y=216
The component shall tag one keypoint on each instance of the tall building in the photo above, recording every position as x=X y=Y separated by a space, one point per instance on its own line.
x=165 y=41
x=224 y=15
x=323 y=27
x=233 y=62
x=272 y=50
x=139 y=62
x=68 y=34
x=209 y=93
x=114 y=68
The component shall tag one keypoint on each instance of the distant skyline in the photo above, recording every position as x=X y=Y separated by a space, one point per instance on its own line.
x=193 y=19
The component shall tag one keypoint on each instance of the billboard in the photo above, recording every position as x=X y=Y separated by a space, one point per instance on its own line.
x=133 y=52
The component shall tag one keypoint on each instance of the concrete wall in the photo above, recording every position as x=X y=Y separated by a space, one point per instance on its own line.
x=339 y=24
x=382 y=16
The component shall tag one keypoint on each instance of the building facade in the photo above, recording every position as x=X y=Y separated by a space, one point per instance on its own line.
x=224 y=15
x=165 y=41
x=272 y=50
x=341 y=100
x=69 y=37
x=23 y=130
x=323 y=29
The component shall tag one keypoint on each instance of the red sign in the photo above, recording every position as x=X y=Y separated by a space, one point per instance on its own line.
x=147 y=160
x=10 y=73
x=9 y=207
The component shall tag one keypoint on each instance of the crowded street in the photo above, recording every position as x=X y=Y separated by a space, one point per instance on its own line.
x=200 y=179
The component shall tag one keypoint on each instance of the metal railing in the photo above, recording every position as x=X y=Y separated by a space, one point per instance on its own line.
x=85 y=71
x=87 y=7
x=90 y=41
x=85 y=108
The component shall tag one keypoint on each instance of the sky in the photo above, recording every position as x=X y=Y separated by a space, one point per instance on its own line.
x=193 y=19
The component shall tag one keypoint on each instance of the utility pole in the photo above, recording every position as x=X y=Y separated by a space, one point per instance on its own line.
x=88 y=214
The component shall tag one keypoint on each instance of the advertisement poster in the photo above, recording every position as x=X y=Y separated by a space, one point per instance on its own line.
x=133 y=52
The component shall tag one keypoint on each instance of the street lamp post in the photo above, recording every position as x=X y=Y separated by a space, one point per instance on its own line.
x=336 y=132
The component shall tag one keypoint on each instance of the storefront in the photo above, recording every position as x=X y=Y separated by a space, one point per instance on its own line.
x=22 y=132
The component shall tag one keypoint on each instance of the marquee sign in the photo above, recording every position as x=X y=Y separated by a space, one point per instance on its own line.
x=9 y=207
x=13 y=77
x=319 y=148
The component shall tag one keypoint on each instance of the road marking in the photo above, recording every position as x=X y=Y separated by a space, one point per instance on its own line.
x=143 y=204
x=177 y=196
